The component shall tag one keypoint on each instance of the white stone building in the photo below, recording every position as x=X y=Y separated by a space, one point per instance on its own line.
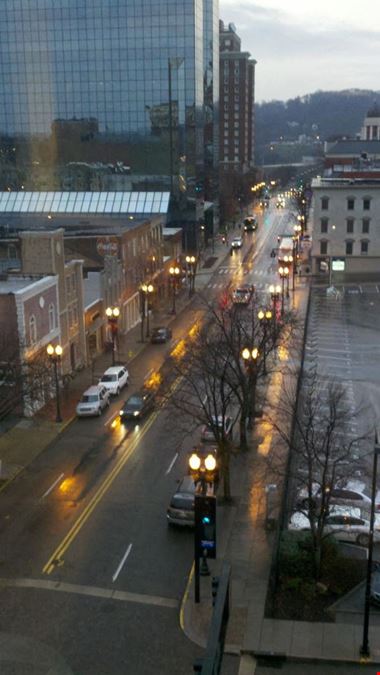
x=346 y=227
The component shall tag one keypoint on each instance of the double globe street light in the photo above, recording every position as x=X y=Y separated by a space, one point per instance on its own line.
x=265 y=317
x=112 y=314
x=54 y=353
x=145 y=291
x=174 y=273
x=250 y=357
x=191 y=263
x=284 y=274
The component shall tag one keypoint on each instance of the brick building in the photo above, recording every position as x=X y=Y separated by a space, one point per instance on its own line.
x=237 y=103
x=29 y=321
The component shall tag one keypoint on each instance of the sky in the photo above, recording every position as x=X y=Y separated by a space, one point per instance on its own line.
x=302 y=46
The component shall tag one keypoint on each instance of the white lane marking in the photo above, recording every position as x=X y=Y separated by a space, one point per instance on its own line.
x=168 y=470
x=125 y=556
x=377 y=288
x=110 y=419
x=52 y=486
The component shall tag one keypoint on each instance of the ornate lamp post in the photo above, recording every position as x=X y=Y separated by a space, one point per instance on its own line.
x=174 y=277
x=364 y=649
x=191 y=263
x=55 y=354
x=145 y=290
x=284 y=274
x=265 y=317
x=112 y=314
x=203 y=468
x=250 y=357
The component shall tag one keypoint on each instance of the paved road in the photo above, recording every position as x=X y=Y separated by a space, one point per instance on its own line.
x=88 y=564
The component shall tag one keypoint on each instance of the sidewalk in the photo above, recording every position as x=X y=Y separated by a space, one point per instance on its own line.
x=24 y=441
x=246 y=544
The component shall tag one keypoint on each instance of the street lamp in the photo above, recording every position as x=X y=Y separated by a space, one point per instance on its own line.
x=113 y=314
x=145 y=290
x=275 y=296
x=264 y=317
x=250 y=357
x=174 y=276
x=191 y=263
x=284 y=274
x=55 y=353
x=203 y=468
x=364 y=649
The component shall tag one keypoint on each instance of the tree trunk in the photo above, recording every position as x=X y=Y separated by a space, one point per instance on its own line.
x=243 y=431
x=225 y=465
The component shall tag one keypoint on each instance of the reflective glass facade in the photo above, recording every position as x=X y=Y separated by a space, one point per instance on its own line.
x=138 y=71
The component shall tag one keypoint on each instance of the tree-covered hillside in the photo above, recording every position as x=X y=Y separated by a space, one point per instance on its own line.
x=323 y=114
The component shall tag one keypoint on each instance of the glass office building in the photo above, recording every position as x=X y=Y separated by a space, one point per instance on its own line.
x=138 y=72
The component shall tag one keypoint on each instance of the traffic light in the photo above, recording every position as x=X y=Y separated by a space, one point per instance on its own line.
x=205 y=525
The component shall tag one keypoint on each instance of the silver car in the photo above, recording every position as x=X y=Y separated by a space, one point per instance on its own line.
x=94 y=400
x=181 y=507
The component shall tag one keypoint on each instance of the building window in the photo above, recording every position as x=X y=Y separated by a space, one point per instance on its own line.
x=32 y=330
x=324 y=225
x=350 y=203
x=51 y=317
x=323 y=247
x=349 y=247
x=365 y=226
x=364 y=246
x=350 y=225
x=366 y=203
x=324 y=203
x=12 y=252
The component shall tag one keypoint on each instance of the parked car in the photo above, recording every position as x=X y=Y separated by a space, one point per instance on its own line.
x=181 y=507
x=161 y=334
x=344 y=523
x=236 y=242
x=137 y=405
x=114 y=379
x=350 y=494
x=94 y=400
x=207 y=433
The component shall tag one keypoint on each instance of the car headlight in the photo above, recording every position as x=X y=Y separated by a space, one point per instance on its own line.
x=136 y=413
x=121 y=412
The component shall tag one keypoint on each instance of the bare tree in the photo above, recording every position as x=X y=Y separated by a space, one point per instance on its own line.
x=323 y=453
x=215 y=382
x=25 y=381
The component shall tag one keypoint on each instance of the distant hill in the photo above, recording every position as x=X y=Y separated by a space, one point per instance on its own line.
x=324 y=113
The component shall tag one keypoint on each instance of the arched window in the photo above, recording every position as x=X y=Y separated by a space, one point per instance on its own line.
x=51 y=317
x=32 y=329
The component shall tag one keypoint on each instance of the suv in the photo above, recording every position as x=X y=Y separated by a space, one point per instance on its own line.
x=114 y=379
x=94 y=400
x=181 y=507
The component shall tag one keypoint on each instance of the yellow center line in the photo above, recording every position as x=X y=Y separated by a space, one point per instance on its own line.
x=82 y=519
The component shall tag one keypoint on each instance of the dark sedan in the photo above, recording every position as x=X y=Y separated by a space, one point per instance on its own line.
x=160 y=334
x=137 y=405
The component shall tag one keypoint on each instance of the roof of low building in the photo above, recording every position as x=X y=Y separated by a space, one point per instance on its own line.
x=354 y=147
x=115 y=203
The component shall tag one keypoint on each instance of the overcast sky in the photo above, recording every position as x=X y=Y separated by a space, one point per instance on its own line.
x=303 y=45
